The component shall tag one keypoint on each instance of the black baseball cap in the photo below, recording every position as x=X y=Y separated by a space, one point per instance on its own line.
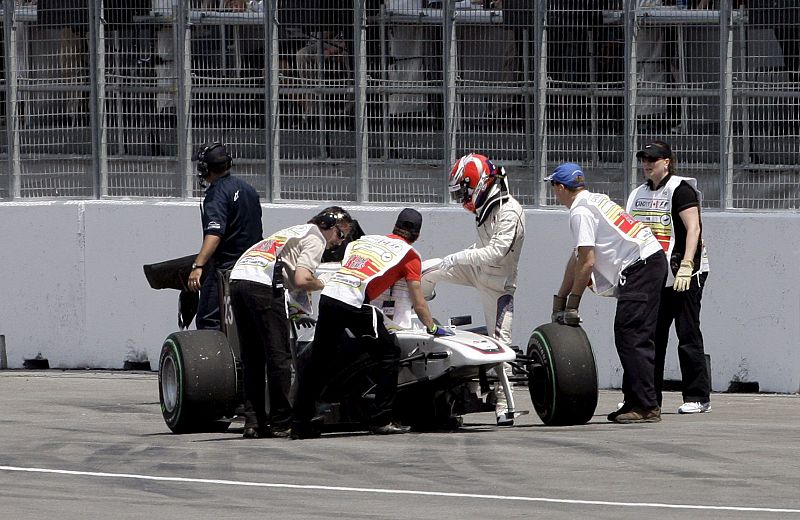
x=410 y=220
x=655 y=150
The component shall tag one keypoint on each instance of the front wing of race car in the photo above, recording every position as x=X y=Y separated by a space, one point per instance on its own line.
x=430 y=357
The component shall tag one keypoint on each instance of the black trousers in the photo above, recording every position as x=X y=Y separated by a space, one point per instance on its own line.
x=208 y=314
x=263 y=330
x=684 y=309
x=366 y=324
x=639 y=293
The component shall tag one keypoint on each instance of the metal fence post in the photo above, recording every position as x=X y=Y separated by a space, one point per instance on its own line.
x=540 y=102
x=271 y=99
x=631 y=95
x=360 y=95
x=183 y=94
x=725 y=109
x=97 y=97
x=451 y=112
x=12 y=119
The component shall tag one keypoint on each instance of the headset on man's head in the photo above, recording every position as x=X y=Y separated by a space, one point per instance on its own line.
x=202 y=164
x=328 y=219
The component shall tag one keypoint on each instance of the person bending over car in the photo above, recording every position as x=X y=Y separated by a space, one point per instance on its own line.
x=371 y=265
x=269 y=283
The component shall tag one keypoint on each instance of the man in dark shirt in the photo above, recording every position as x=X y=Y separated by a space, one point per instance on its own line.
x=231 y=218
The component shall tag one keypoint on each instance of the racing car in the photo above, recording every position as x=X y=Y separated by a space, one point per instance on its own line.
x=440 y=378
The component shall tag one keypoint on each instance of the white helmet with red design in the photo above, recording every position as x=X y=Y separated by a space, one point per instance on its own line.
x=465 y=179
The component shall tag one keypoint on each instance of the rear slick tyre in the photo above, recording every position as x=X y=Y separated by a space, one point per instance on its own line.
x=562 y=375
x=197 y=382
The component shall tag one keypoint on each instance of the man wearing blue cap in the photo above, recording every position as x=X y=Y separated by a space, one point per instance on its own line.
x=615 y=255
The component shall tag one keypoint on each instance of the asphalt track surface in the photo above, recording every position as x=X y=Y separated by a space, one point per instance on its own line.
x=78 y=445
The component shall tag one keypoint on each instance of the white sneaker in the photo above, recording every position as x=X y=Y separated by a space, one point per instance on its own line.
x=695 y=407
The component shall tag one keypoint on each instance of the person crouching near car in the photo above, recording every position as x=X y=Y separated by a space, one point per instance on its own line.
x=618 y=256
x=272 y=277
x=371 y=265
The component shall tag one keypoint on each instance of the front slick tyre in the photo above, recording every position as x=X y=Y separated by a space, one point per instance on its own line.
x=197 y=382
x=562 y=376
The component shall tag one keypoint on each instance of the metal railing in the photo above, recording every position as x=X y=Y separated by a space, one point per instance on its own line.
x=371 y=101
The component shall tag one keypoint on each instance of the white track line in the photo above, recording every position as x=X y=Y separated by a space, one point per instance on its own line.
x=394 y=491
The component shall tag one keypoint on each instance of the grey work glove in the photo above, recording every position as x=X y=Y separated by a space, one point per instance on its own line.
x=559 y=304
x=570 y=315
x=683 y=278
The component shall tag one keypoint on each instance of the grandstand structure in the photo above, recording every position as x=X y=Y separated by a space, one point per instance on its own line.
x=370 y=101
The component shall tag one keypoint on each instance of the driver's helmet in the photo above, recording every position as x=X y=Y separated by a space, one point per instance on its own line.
x=465 y=183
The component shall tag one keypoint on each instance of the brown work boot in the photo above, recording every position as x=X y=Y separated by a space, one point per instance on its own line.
x=623 y=408
x=640 y=415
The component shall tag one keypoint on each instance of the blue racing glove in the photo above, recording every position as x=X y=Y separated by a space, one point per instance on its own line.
x=439 y=331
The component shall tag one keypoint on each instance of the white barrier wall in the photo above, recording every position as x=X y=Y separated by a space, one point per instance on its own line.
x=74 y=290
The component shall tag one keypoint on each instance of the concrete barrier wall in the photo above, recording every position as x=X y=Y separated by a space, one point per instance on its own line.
x=74 y=289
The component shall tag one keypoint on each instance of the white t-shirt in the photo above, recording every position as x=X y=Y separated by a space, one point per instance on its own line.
x=617 y=238
x=298 y=246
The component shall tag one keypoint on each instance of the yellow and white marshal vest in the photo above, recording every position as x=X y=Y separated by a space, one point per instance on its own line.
x=364 y=260
x=258 y=263
x=654 y=209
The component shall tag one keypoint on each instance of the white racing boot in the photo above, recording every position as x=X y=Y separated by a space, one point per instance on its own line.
x=502 y=389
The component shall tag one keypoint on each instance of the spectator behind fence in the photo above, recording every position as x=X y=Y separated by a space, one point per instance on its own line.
x=408 y=47
x=782 y=17
x=325 y=59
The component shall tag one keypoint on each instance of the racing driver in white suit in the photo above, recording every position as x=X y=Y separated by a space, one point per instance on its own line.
x=489 y=265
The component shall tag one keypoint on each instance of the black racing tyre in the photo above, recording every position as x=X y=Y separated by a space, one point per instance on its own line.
x=562 y=375
x=197 y=382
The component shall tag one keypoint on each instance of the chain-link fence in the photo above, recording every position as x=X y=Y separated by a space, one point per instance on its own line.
x=372 y=100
